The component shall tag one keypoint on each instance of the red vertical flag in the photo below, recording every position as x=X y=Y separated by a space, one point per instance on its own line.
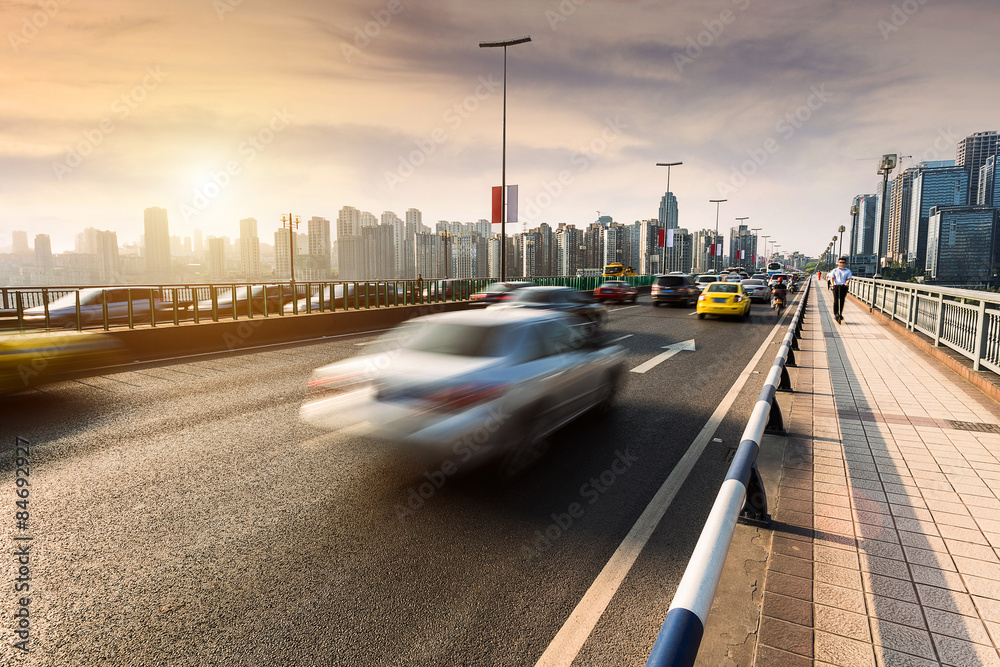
x=497 y=205
x=659 y=238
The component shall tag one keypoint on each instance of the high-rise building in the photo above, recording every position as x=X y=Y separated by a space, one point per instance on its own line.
x=938 y=186
x=898 y=242
x=569 y=249
x=249 y=249
x=867 y=220
x=350 y=257
x=742 y=247
x=702 y=245
x=593 y=241
x=43 y=252
x=217 y=258
x=198 y=246
x=319 y=249
x=615 y=241
x=973 y=152
x=880 y=237
x=677 y=251
x=157 y=244
x=401 y=250
x=989 y=184
x=963 y=245
x=20 y=243
x=668 y=210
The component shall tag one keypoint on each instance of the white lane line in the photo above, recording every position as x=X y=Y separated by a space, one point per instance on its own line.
x=624 y=308
x=621 y=338
x=671 y=350
x=570 y=639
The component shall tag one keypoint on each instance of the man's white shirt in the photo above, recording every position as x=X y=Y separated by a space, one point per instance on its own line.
x=840 y=276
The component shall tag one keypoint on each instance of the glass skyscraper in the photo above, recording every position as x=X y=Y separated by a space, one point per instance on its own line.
x=939 y=186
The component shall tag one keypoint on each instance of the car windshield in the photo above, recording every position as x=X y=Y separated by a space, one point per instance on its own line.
x=615 y=284
x=670 y=281
x=724 y=287
x=540 y=296
x=753 y=283
x=463 y=340
x=708 y=279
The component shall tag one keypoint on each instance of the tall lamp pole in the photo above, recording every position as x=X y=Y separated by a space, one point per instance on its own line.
x=885 y=168
x=840 y=251
x=718 y=205
x=503 y=167
x=666 y=213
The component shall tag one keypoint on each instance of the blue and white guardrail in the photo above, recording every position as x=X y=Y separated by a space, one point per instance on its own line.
x=741 y=497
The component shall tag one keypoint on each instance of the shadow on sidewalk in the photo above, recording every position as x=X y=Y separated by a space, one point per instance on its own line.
x=898 y=619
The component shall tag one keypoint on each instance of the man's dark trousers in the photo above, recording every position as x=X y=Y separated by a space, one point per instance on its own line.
x=839 y=294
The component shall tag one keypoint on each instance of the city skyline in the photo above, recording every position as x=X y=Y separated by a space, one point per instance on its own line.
x=222 y=111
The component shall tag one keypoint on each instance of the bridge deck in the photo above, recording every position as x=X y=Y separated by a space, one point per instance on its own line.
x=887 y=533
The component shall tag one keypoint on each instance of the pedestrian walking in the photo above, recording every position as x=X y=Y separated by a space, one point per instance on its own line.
x=839 y=279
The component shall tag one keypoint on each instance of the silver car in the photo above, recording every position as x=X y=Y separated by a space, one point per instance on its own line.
x=757 y=290
x=469 y=384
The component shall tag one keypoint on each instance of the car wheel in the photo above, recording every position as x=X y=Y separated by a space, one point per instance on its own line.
x=606 y=400
x=701 y=316
x=526 y=445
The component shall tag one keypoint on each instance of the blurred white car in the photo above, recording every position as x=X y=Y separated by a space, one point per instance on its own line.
x=469 y=384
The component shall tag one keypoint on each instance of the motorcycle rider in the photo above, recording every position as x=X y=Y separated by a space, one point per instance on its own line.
x=779 y=291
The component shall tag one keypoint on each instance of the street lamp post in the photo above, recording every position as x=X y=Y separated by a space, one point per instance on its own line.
x=854 y=220
x=885 y=167
x=666 y=213
x=503 y=167
x=840 y=251
x=718 y=205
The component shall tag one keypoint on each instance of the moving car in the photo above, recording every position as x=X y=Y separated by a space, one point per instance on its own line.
x=469 y=385
x=500 y=291
x=616 y=290
x=261 y=296
x=377 y=293
x=723 y=299
x=563 y=299
x=757 y=290
x=63 y=311
x=674 y=289
x=706 y=279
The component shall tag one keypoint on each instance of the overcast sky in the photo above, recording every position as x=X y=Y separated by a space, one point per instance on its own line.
x=219 y=110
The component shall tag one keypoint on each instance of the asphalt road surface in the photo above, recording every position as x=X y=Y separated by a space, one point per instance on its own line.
x=180 y=514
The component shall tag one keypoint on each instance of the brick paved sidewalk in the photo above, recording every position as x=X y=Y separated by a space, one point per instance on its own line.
x=886 y=546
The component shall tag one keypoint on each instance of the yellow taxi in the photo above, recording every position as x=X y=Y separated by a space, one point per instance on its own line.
x=723 y=299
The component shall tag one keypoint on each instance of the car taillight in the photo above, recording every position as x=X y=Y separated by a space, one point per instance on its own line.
x=702 y=297
x=322 y=385
x=459 y=397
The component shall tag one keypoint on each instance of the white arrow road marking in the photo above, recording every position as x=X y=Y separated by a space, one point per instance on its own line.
x=671 y=350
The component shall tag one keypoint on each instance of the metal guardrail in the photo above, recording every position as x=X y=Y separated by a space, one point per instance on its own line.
x=741 y=498
x=967 y=321
x=160 y=305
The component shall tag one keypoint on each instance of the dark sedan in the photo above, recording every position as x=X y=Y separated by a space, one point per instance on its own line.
x=501 y=291
x=563 y=299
